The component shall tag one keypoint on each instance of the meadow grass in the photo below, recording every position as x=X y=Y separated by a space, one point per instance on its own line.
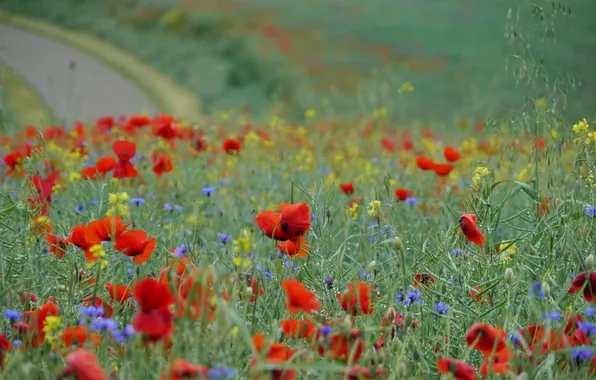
x=529 y=181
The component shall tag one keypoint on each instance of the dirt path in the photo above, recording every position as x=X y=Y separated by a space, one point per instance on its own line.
x=74 y=85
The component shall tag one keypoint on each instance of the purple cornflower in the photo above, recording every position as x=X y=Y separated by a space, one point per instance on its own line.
x=180 y=251
x=411 y=201
x=582 y=353
x=588 y=327
x=537 y=291
x=208 y=191
x=553 y=315
x=326 y=330
x=168 y=207
x=590 y=211
x=413 y=296
x=441 y=308
x=220 y=372
x=137 y=201
x=329 y=282
x=590 y=311
x=104 y=324
x=12 y=315
x=458 y=252
x=177 y=208
x=17 y=343
x=79 y=208
x=400 y=296
x=91 y=311
x=123 y=335
x=223 y=237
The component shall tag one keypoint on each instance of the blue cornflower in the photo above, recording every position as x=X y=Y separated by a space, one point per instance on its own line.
x=590 y=211
x=12 y=315
x=168 y=207
x=329 y=281
x=17 y=343
x=582 y=353
x=94 y=202
x=180 y=251
x=208 y=191
x=458 y=252
x=177 y=208
x=590 y=311
x=400 y=296
x=515 y=338
x=313 y=217
x=268 y=274
x=129 y=271
x=123 y=335
x=326 y=330
x=413 y=296
x=79 y=208
x=223 y=237
x=220 y=372
x=137 y=201
x=366 y=276
x=441 y=308
x=588 y=327
x=91 y=311
x=411 y=201
x=553 y=315
x=537 y=290
x=104 y=324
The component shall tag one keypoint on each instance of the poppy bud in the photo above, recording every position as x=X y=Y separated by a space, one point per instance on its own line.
x=371 y=265
x=589 y=262
x=397 y=243
x=408 y=319
x=401 y=371
x=546 y=289
x=247 y=292
x=509 y=276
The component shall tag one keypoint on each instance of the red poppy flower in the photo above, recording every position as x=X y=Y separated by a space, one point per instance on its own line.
x=78 y=335
x=295 y=220
x=154 y=320
x=423 y=280
x=105 y=165
x=443 y=170
x=89 y=173
x=481 y=299
x=118 y=292
x=57 y=244
x=12 y=160
x=587 y=279
x=425 y=163
x=451 y=154
x=388 y=145
x=83 y=365
x=106 y=229
x=255 y=288
x=167 y=130
x=358 y=373
x=344 y=346
x=403 y=194
x=485 y=338
x=163 y=164
x=347 y=188
x=125 y=150
x=135 y=244
x=270 y=223
x=181 y=369
x=274 y=353
x=27 y=296
x=231 y=146
x=299 y=298
x=293 y=249
x=200 y=145
x=78 y=238
x=357 y=300
x=297 y=329
x=4 y=347
x=460 y=370
x=497 y=363
x=467 y=223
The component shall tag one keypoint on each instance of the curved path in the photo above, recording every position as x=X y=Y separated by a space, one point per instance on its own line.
x=74 y=85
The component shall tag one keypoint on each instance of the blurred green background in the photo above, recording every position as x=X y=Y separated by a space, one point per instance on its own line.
x=465 y=58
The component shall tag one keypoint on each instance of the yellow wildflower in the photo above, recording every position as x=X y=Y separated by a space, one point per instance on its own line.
x=244 y=243
x=406 y=87
x=479 y=172
x=310 y=113
x=374 y=207
x=353 y=211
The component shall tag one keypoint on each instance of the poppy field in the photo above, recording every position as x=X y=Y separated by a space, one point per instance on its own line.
x=144 y=246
